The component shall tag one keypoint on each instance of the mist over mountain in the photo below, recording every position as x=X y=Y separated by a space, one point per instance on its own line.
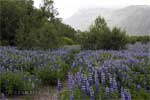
x=135 y=20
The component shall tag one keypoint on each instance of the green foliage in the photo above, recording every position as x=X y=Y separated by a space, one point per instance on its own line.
x=142 y=39
x=28 y=27
x=81 y=36
x=50 y=76
x=12 y=12
x=67 y=41
x=12 y=83
x=65 y=30
x=101 y=37
x=4 y=42
x=47 y=76
x=44 y=37
x=118 y=39
x=140 y=95
x=77 y=93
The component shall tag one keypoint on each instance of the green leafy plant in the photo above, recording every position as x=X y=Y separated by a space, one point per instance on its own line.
x=101 y=37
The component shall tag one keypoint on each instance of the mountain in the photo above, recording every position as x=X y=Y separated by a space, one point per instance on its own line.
x=135 y=20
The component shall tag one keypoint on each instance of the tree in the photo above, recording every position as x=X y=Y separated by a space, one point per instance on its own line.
x=28 y=27
x=96 y=37
x=12 y=11
x=66 y=30
x=48 y=10
x=101 y=37
x=118 y=39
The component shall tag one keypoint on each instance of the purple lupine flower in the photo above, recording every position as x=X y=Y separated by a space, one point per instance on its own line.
x=92 y=93
x=103 y=78
x=115 y=87
x=123 y=97
x=79 y=78
x=126 y=68
x=55 y=97
x=111 y=84
x=87 y=87
x=84 y=79
x=86 y=84
x=96 y=82
x=1 y=69
x=128 y=96
x=99 y=71
x=90 y=78
x=129 y=83
x=73 y=65
x=3 y=96
x=138 y=86
x=71 y=82
x=59 y=85
x=83 y=87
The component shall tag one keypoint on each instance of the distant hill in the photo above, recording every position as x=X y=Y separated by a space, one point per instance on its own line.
x=134 y=19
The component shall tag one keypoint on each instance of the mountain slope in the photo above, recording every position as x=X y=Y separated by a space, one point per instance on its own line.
x=133 y=19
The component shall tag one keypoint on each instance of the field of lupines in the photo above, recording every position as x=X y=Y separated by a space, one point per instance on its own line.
x=22 y=71
x=91 y=75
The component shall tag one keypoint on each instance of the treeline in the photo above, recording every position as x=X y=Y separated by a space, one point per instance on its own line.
x=100 y=36
x=25 y=26
x=142 y=39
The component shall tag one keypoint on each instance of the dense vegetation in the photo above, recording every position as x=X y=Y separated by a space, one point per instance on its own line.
x=24 y=70
x=142 y=39
x=110 y=75
x=98 y=64
x=101 y=37
x=91 y=74
x=24 y=26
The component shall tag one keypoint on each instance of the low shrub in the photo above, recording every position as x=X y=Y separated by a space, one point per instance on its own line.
x=67 y=41
x=49 y=75
x=142 y=39
x=17 y=83
x=101 y=37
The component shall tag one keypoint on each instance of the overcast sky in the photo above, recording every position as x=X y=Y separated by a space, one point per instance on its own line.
x=67 y=8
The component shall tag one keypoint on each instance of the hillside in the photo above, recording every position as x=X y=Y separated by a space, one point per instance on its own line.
x=133 y=19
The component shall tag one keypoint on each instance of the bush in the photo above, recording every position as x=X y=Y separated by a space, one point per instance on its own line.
x=45 y=37
x=101 y=37
x=49 y=76
x=27 y=27
x=4 y=42
x=117 y=40
x=67 y=41
x=142 y=39
x=16 y=83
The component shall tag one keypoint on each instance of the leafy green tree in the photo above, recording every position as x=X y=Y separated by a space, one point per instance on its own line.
x=142 y=39
x=96 y=37
x=81 y=37
x=48 y=10
x=28 y=27
x=66 y=30
x=118 y=39
x=12 y=12
x=101 y=37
